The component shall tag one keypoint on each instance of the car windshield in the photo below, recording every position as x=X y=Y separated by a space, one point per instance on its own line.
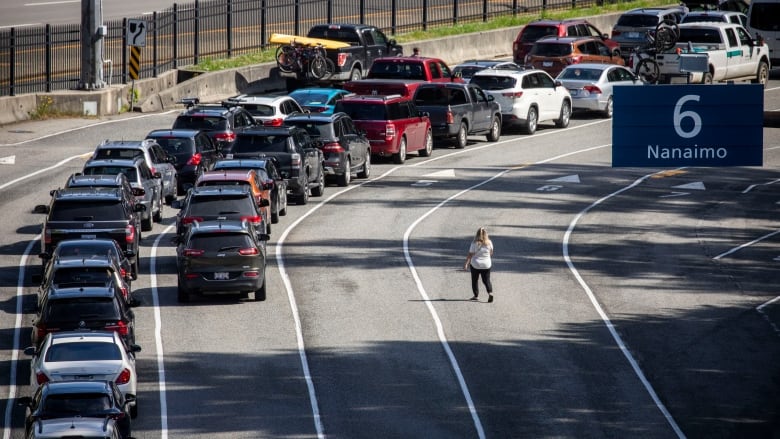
x=551 y=49
x=92 y=210
x=260 y=110
x=215 y=242
x=183 y=148
x=82 y=351
x=76 y=309
x=700 y=36
x=246 y=143
x=489 y=82
x=637 y=20
x=533 y=33
x=129 y=171
x=201 y=123
x=118 y=153
x=76 y=403
x=315 y=129
x=86 y=249
x=214 y=206
x=580 y=74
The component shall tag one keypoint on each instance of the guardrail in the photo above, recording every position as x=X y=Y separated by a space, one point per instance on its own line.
x=47 y=58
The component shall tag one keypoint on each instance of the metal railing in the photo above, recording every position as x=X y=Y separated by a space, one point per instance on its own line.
x=46 y=58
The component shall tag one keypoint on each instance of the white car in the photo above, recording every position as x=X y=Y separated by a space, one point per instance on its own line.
x=268 y=110
x=85 y=355
x=527 y=97
x=716 y=17
x=591 y=85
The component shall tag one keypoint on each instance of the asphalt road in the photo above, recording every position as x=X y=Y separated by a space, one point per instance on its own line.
x=630 y=302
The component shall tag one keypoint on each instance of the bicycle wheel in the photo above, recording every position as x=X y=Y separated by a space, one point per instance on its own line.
x=647 y=69
x=666 y=35
x=318 y=67
x=330 y=68
x=286 y=58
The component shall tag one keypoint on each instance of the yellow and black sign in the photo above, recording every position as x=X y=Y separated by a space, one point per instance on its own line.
x=135 y=61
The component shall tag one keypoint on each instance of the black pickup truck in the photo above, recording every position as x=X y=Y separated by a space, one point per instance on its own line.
x=300 y=161
x=458 y=110
x=366 y=43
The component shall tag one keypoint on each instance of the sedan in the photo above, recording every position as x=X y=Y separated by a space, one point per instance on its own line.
x=319 y=99
x=591 y=85
x=85 y=355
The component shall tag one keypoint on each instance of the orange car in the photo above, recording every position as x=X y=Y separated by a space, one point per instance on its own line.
x=552 y=54
x=235 y=177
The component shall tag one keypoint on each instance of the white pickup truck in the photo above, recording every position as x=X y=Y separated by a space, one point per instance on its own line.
x=728 y=49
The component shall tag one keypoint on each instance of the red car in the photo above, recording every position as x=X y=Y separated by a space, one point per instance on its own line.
x=575 y=27
x=392 y=124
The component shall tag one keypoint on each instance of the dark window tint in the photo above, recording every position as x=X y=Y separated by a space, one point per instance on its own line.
x=182 y=148
x=254 y=144
x=765 y=16
x=345 y=35
x=581 y=74
x=220 y=242
x=129 y=171
x=704 y=36
x=213 y=206
x=76 y=404
x=118 y=153
x=493 y=82
x=551 y=49
x=315 y=129
x=86 y=249
x=363 y=111
x=259 y=109
x=81 y=308
x=92 y=210
x=83 y=351
x=533 y=33
x=201 y=123
x=75 y=276
x=637 y=20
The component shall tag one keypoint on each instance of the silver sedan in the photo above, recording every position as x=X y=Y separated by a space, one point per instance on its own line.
x=591 y=85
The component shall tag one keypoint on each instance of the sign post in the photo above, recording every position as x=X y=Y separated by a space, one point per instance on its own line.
x=135 y=35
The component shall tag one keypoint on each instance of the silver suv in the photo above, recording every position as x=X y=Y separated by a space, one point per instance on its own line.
x=632 y=26
x=155 y=156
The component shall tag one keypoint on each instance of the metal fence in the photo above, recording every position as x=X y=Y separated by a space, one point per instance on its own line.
x=47 y=58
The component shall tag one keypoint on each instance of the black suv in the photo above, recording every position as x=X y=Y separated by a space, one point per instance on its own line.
x=119 y=181
x=194 y=151
x=220 y=121
x=209 y=203
x=345 y=150
x=221 y=257
x=268 y=172
x=89 y=213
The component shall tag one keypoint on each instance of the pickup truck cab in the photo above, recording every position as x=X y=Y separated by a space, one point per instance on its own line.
x=731 y=54
x=401 y=75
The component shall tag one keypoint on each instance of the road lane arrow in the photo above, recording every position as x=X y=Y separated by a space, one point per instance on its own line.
x=10 y=160
x=697 y=186
x=574 y=178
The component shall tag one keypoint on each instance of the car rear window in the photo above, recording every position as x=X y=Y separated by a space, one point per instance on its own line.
x=259 y=109
x=637 y=20
x=214 y=242
x=551 y=49
x=75 y=276
x=76 y=403
x=83 y=351
x=364 y=111
x=180 y=147
x=490 y=82
x=325 y=32
x=208 y=123
x=86 y=249
x=700 y=18
x=533 y=33
x=224 y=183
x=702 y=36
x=118 y=153
x=312 y=98
x=315 y=129
x=83 y=210
x=81 y=308
x=440 y=96
x=129 y=171
x=224 y=204
x=580 y=74
x=246 y=144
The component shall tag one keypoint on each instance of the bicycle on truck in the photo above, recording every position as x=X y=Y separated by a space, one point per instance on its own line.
x=642 y=58
x=310 y=59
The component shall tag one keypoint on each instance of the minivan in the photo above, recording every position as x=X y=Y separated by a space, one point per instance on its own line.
x=764 y=20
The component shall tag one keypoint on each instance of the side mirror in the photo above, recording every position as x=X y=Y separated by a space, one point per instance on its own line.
x=41 y=208
x=134 y=303
x=135 y=348
x=130 y=253
x=44 y=256
x=157 y=175
x=175 y=240
x=139 y=192
x=263 y=236
x=425 y=114
x=130 y=399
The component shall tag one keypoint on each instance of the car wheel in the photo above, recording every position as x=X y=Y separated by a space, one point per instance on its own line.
x=608 y=110
x=318 y=190
x=346 y=177
x=495 y=130
x=366 y=172
x=174 y=189
x=355 y=74
x=134 y=411
x=283 y=209
x=462 y=137
x=400 y=157
x=275 y=212
x=530 y=121
x=158 y=216
x=762 y=74
x=706 y=78
x=146 y=223
x=134 y=269
x=260 y=293
x=563 y=119
x=428 y=150
x=303 y=197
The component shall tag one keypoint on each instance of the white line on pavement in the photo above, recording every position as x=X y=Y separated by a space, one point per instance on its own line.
x=748 y=244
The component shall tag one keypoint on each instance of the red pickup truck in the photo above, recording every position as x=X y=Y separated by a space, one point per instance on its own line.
x=401 y=75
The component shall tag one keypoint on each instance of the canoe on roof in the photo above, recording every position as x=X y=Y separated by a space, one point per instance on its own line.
x=306 y=41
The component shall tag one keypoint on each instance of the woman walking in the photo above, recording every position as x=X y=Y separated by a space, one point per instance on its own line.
x=479 y=260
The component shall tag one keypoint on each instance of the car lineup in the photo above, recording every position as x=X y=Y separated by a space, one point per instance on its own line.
x=234 y=164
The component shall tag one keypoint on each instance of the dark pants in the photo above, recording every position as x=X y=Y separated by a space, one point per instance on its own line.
x=475 y=274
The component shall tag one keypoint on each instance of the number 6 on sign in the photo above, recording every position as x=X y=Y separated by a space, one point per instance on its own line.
x=680 y=115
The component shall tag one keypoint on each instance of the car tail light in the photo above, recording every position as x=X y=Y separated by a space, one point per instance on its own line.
x=592 y=89
x=124 y=377
x=153 y=169
x=275 y=122
x=194 y=252
x=129 y=234
x=41 y=378
x=254 y=219
x=191 y=219
x=225 y=137
x=512 y=94
x=195 y=159
x=317 y=109
x=46 y=235
x=574 y=60
x=342 y=59
x=389 y=132
x=332 y=148
x=251 y=251
x=296 y=160
x=192 y=275
x=251 y=274
x=450 y=117
x=120 y=327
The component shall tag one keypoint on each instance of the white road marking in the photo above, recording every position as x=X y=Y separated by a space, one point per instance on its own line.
x=9 y=160
x=760 y=310
x=566 y=179
x=446 y=173
x=62 y=2
x=549 y=188
x=740 y=247
x=674 y=194
x=161 y=381
x=696 y=185
x=423 y=183
x=753 y=186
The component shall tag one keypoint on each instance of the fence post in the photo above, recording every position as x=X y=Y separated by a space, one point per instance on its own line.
x=175 y=37
x=454 y=11
x=514 y=7
x=362 y=11
x=12 y=63
x=425 y=15
x=393 y=16
x=229 y=24
x=47 y=62
x=297 y=18
x=263 y=23
x=154 y=44
x=195 y=38
x=124 y=51
x=329 y=11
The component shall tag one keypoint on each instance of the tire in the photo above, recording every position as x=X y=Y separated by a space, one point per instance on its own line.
x=146 y=223
x=275 y=212
x=355 y=74
x=285 y=58
x=565 y=117
x=609 y=108
x=762 y=74
x=134 y=269
x=428 y=150
x=344 y=179
x=647 y=69
x=531 y=120
x=318 y=190
x=134 y=410
x=400 y=157
x=666 y=35
x=462 y=138
x=158 y=216
x=303 y=197
x=260 y=293
x=495 y=130
x=366 y=171
x=330 y=68
x=706 y=78
x=318 y=67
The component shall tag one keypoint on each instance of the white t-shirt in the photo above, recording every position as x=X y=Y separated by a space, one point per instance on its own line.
x=481 y=259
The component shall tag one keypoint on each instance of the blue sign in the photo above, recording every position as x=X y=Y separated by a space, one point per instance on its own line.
x=663 y=126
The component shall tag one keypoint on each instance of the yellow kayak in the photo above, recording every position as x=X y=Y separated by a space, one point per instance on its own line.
x=306 y=41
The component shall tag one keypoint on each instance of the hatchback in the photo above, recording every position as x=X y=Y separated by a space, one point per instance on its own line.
x=194 y=151
x=552 y=54
x=591 y=85
x=269 y=175
x=268 y=110
x=319 y=99
x=221 y=257
x=210 y=203
x=92 y=248
x=85 y=355
x=75 y=427
x=575 y=27
x=77 y=270
x=246 y=178
x=345 y=149
x=526 y=97
x=220 y=121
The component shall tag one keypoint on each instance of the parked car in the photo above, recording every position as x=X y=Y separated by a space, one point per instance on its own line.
x=632 y=27
x=552 y=54
x=218 y=203
x=247 y=178
x=194 y=151
x=345 y=150
x=268 y=173
x=91 y=248
x=466 y=69
x=221 y=257
x=86 y=355
x=268 y=110
x=78 y=399
x=575 y=27
x=141 y=177
x=393 y=125
x=591 y=85
x=158 y=160
x=220 y=121
x=76 y=427
x=319 y=99
x=526 y=97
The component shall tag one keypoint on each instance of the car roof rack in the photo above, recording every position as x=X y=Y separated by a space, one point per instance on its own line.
x=190 y=102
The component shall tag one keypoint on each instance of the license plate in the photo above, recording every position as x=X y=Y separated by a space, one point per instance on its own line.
x=546 y=63
x=220 y=275
x=633 y=35
x=88 y=236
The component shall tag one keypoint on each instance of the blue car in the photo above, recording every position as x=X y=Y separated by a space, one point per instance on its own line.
x=320 y=100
